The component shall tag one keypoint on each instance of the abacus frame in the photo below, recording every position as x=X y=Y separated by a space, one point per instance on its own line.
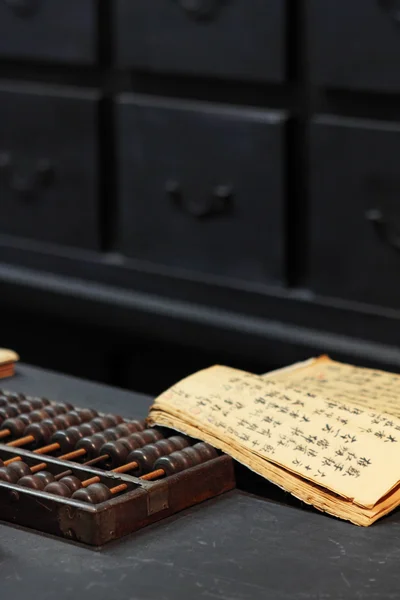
x=143 y=503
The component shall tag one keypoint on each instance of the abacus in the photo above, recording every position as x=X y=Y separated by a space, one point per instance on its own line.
x=93 y=478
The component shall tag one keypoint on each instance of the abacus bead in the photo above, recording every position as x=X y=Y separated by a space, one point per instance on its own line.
x=19 y=468
x=16 y=427
x=41 y=432
x=35 y=416
x=126 y=429
x=87 y=429
x=31 y=481
x=4 y=401
x=27 y=406
x=147 y=456
x=67 y=439
x=119 y=450
x=206 y=451
x=58 y=489
x=45 y=476
x=104 y=422
x=72 y=482
x=37 y=399
x=93 y=444
x=177 y=461
x=8 y=476
x=86 y=414
x=14 y=397
x=50 y=411
x=67 y=420
x=116 y=451
x=59 y=409
x=38 y=481
x=95 y=494
x=7 y=412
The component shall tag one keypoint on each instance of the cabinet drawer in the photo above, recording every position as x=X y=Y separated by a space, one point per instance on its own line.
x=48 y=165
x=355 y=44
x=201 y=188
x=53 y=30
x=355 y=210
x=241 y=39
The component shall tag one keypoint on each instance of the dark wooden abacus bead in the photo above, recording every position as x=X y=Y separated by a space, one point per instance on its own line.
x=118 y=450
x=17 y=425
x=72 y=482
x=125 y=429
x=93 y=444
x=89 y=428
x=58 y=489
x=147 y=456
x=8 y=476
x=94 y=494
x=67 y=439
x=68 y=420
x=186 y=458
x=30 y=404
x=13 y=397
x=40 y=432
x=20 y=469
x=65 y=487
x=8 y=412
x=5 y=401
x=107 y=421
x=87 y=414
x=38 y=481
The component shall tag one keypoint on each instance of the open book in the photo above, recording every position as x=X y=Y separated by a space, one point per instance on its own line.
x=326 y=432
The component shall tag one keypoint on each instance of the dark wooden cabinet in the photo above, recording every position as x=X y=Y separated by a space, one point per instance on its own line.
x=355 y=210
x=199 y=181
x=50 y=30
x=201 y=188
x=48 y=165
x=356 y=44
x=218 y=38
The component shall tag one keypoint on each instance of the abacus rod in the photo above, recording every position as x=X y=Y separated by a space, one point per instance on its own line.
x=21 y=441
x=153 y=475
x=122 y=469
x=46 y=449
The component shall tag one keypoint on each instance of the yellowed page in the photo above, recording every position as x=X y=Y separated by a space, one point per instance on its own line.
x=7 y=356
x=308 y=492
x=336 y=445
x=371 y=389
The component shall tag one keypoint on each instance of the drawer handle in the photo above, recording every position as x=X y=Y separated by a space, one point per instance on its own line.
x=218 y=202
x=26 y=184
x=383 y=231
x=23 y=8
x=392 y=7
x=200 y=9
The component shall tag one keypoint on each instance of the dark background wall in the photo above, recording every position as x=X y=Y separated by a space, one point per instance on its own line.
x=185 y=182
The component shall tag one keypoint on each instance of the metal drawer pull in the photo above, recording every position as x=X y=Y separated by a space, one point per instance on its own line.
x=23 y=8
x=382 y=228
x=218 y=202
x=200 y=9
x=29 y=183
x=392 y=7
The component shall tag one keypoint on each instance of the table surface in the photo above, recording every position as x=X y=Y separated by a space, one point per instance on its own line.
x=233 y=547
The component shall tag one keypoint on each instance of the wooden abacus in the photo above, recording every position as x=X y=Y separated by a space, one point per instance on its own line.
x=142 y=475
